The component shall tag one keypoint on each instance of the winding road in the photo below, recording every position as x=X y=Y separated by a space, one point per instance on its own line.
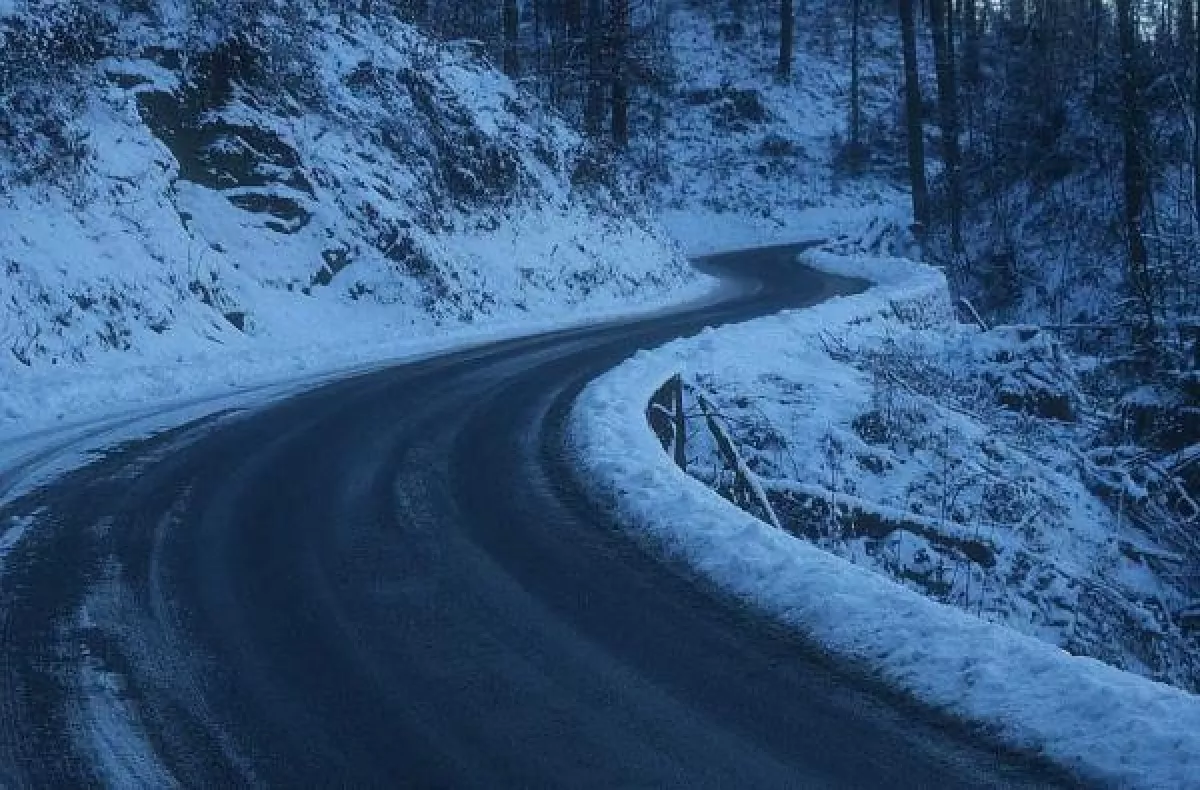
x=394 y=580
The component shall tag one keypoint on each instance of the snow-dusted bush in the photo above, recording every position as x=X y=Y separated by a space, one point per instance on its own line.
x=46 y=50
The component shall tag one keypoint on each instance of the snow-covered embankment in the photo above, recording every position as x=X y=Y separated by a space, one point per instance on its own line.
x=1103 y=723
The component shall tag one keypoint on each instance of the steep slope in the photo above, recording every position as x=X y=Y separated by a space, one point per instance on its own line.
x=738 y=157
x=237 y=201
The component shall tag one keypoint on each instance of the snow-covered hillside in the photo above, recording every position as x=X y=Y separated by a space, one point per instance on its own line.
x=187 y=208
x=939 y=526
x=257 y=201
x=737 y=158
x=960 y=463
x=225 y=220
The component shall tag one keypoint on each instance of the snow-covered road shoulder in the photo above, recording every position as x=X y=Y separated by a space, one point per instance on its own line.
x=1100 y=722
x=85 y=414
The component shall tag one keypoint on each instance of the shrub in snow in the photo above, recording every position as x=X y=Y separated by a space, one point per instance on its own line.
x=45 y=50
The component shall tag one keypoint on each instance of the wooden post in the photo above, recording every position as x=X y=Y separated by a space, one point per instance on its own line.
x=680 y=422
x=667 y=419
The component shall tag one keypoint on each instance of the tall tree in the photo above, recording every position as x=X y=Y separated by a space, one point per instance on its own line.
x=912 y=106
x=787 y=32
x=1135 y=176
x=512 y=25
x=573 y=16
x=1186 y=25
x=620 y=72
x=1016 y=16
x=1192 y=41
x=970 y=24
x=941 y=18
x=855 y=85
x=593 y=112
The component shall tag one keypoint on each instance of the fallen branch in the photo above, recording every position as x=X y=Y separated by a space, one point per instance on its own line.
x=745 y=476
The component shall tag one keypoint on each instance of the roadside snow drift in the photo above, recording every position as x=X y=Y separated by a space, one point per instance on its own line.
x=1103 y=723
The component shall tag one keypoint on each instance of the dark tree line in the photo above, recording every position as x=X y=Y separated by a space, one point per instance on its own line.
x=1061 y=98
x=583 y=56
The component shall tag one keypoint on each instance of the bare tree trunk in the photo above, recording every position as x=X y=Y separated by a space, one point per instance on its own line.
x=1195 y=52
x=1016 y=13
x=512 y=24
x=593 y=114
x=855 y=102
x=573 y=16
x=787 y=32
x=1135 y=175
x=1187 y=24
x=912 y=105
x=620 y=72
x=942 y=20
x=970 y=14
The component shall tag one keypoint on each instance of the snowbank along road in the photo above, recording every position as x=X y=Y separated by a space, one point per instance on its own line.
x=395 y=580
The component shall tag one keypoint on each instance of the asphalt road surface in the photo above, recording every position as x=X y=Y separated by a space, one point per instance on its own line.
x=394 y=580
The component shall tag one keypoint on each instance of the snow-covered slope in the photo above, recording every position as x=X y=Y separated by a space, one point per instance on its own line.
x=739 y=159
x=226 y=223
x=1108 y=725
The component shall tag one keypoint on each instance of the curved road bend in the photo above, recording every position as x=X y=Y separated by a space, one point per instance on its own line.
x=394 y=581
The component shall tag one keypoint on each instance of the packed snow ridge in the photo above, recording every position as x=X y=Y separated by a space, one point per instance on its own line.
x=1098 y=721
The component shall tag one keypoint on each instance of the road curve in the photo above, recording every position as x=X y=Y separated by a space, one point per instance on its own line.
x=394 y=580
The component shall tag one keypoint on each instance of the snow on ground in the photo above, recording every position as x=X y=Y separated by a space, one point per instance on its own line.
x=1104 y=723
x=90 y=410
x=966 y=465
x=228 y=244
x=223 y=235
x=103 y=721
x=11 y=536
x=177 y=268
x=744 y=160
x=703 y=232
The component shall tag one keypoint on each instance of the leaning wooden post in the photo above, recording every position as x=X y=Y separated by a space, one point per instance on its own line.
x=680 y=422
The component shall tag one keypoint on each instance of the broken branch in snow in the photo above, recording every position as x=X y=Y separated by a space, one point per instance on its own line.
x=975 y=314
x=747 y=481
